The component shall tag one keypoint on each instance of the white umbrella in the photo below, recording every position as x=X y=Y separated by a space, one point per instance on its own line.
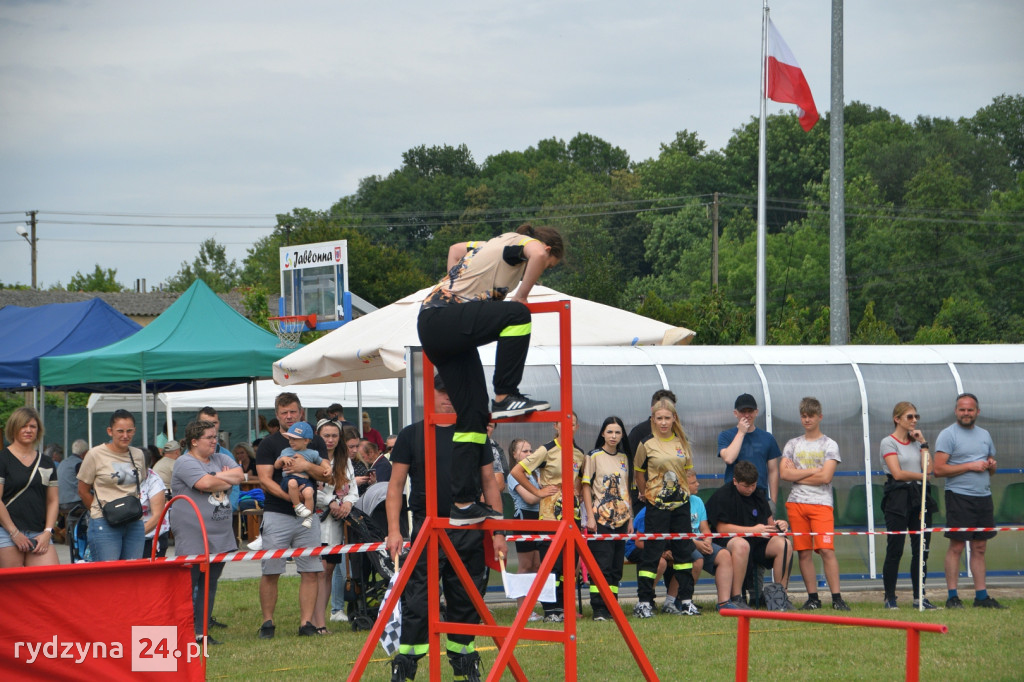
x=374 y=346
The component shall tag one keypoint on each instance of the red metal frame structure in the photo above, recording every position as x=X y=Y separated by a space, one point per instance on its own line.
x=914 y=631
x=204 y=563
x=567 y=539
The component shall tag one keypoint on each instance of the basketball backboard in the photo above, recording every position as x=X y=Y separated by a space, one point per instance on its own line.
x=314 y=280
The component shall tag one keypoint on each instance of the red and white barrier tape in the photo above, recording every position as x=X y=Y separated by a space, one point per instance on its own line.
x=376 y=546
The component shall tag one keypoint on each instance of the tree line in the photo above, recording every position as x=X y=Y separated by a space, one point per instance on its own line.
x=934 y=225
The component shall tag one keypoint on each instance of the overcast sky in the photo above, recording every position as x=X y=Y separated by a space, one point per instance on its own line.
x=231 y=112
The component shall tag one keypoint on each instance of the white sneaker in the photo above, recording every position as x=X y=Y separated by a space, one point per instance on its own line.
x=257 y=544
x=302 y=511
x=307 y=522
x=534 y=617
x=339 y=616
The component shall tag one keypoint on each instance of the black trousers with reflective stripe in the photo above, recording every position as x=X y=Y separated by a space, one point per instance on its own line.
x=663 y=521
x=450 y=337
x=609 y=555
x=459 y=609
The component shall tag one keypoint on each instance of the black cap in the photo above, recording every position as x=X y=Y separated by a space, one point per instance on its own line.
x=745 y=402
x=439 y=384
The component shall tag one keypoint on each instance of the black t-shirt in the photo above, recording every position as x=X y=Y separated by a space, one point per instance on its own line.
x=409 y=449
x=268 y=452
x=28 y=512
x=728 y=505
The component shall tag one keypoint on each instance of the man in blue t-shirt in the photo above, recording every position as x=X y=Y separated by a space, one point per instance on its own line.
x=965 y=454
x=745 y=442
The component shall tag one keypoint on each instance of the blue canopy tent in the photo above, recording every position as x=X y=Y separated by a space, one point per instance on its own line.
x=27 y=334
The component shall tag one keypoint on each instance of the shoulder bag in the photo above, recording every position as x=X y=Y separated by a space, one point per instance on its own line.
x=127 y=509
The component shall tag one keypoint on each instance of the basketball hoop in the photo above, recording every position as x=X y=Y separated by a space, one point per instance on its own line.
x=290 y=327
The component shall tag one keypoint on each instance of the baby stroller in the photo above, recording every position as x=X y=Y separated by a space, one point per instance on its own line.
x=369 y=573
x=77 y=524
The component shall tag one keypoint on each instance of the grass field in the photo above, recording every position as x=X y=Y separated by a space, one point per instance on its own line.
x=980 y=645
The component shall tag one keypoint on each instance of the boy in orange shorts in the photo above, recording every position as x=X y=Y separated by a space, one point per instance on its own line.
x=809 y=462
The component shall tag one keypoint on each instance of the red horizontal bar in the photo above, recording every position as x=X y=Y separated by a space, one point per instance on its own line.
x=837 y=620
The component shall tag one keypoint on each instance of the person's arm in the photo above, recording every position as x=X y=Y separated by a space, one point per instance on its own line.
x=85 y=492
x=265 y=472
x=492 y=497
x=823 y=475
x=525 y=484
x=156 y=508
x=526 y=495
x=393 y=506
x=703 y=544
x=44 y=539
x=789 y=472
x=299 y=464
x=731 y=452
x=588 y=504
x=536 y=253
x=943 y=469
x=456 y=252
x=773 y=478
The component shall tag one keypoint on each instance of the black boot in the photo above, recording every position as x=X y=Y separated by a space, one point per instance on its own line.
x=465 y=666
x=403 y=668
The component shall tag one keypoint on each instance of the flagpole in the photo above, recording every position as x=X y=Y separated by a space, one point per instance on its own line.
x=761 y=191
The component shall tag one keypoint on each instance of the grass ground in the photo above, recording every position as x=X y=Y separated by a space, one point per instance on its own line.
x=980 y=645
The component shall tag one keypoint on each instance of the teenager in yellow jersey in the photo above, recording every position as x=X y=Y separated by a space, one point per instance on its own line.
x=660 y=466
x=466 y=310
x=606 y=499
x=546 y=464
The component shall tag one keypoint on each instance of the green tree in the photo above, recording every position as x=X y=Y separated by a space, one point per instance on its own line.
x=967 y=319
x=100 y=279
x=211 y=266
x=934 y=336
x=872 y=331
x=1003 y=122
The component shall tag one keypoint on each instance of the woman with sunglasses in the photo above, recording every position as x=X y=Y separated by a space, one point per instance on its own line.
x=902 y=454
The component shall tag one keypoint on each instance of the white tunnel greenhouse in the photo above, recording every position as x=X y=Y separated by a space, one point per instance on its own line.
x=857 y=386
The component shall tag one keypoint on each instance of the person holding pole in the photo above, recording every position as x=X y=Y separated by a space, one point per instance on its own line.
x=906 y=502
x=965 y=454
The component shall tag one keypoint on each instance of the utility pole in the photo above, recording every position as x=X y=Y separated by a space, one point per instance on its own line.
x=839 y=310
x=714 y=242
x=31 y=240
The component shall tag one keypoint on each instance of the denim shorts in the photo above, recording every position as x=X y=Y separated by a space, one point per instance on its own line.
x=7 y=541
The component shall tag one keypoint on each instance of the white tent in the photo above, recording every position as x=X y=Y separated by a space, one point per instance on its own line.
x=381 y=393
x=374 y=346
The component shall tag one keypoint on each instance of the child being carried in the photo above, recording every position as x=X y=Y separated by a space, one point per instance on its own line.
x=297 y=485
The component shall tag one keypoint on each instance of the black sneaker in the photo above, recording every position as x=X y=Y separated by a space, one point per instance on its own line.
x=987 y=603
x=516 y=405
x=927 y=605
x=308 y=630
x=214 y=623
x=954 y=603
x=812 y=604
x=210 y=641
x=267 y=630
x=602 y=614
x=839 y=605
x=477 y=512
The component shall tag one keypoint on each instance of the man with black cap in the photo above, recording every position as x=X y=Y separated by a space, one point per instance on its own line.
x=408 y=460
x=745 y=442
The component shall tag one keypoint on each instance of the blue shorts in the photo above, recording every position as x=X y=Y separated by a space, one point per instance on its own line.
x=709 y=559
x=302 y=481
x=7 y=541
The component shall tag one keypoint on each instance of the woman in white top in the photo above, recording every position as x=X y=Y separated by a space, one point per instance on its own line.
x=334 y=499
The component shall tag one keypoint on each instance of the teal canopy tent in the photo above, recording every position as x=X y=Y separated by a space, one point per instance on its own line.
x=198 y=342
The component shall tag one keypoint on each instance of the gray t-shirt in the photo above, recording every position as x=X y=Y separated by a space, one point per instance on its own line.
x=963 y=446
x=908 y=454
x=811 y=454
x=67 y=480
x=215 y=508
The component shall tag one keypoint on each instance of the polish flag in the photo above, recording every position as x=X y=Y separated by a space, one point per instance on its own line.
x=786 y=82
